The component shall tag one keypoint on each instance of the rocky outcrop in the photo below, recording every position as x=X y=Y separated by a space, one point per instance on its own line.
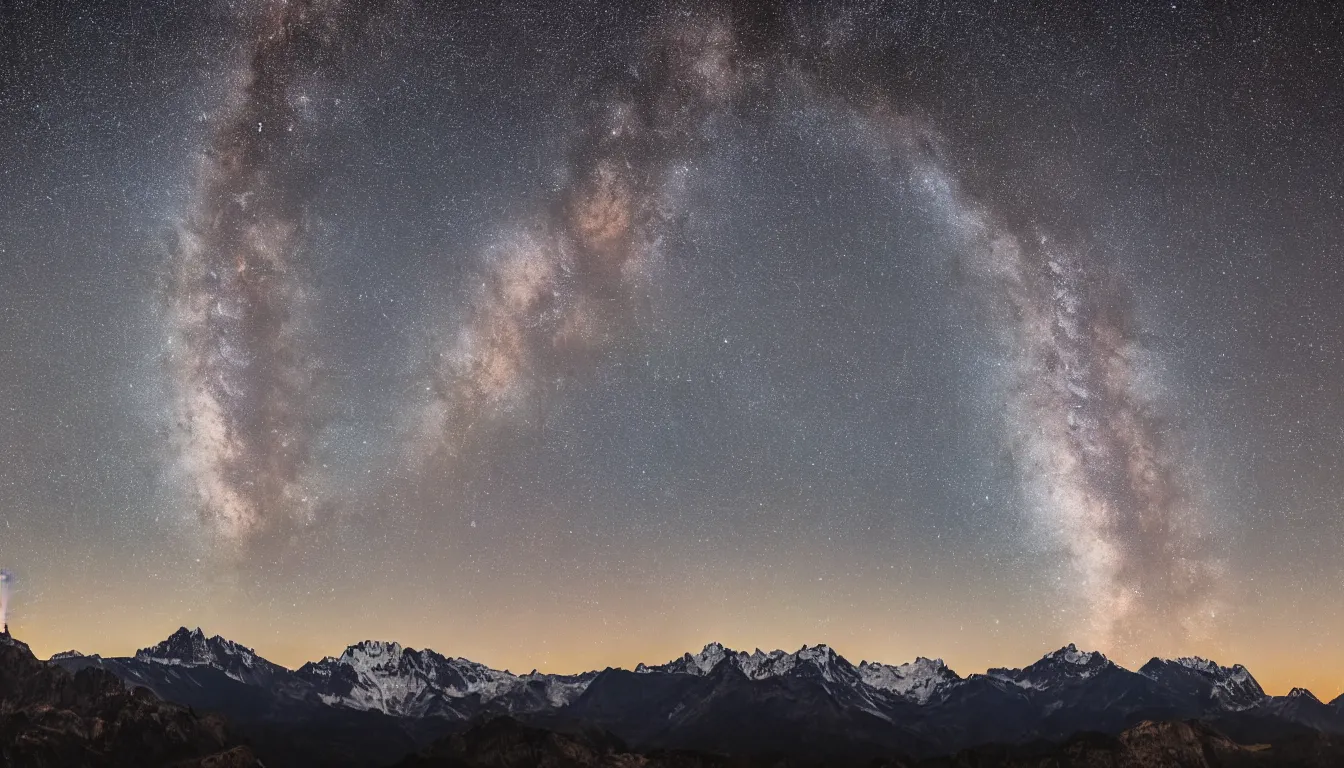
x=50 y=717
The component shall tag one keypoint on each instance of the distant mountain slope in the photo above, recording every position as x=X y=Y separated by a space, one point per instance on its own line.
x=1203 y=682
x=726 y=711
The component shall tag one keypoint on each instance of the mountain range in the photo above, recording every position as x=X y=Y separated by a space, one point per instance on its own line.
x=379 y=700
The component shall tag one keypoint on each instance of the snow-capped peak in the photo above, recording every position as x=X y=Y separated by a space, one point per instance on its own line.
x=920 y=681
x=1235 y=673
x=825 y=660
x=187 y=647
x=700 y=664
x=1072 y=655
x=1066 y=665
x=821 y=651
x=708 y=658
x=222 y=647
x=389 y=677
x=191 y=648
x=367 y=652
x=71 y=654
x=1198 y=663
x=1232 y=687
x=1304 y=694
x=821 y=660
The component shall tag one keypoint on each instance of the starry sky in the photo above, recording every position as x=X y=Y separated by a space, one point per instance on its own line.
x=574 y=338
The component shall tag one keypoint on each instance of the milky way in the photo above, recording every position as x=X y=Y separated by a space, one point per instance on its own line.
x=561 y=289
x=241 y=354
x=1096 y=466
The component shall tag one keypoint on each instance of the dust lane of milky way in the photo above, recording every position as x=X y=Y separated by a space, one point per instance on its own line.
x=557 y=292
x=1092 y=454
x=1097 y=460
x=240 y=291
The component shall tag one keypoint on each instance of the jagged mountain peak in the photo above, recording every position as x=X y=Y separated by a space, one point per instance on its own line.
x=821 y=654
x=1301 y=706
x=1231 y=687
x=921 y=680
x=182 y=634
x=226 y=647
x=1061 y=667
x=823 y=660
x=1071 y=655
x=1206 y=665
x=708 y=657
x=373 y=649
x=1302 y=694
x=184 y=646
x=819 y=651
x=920 y=662
x=1235 y=673
x=192 y=648
x=820 y=660
x=694 y=663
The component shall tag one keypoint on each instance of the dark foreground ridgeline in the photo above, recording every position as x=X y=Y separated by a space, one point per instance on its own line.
x=506 y=743
x=51 y=718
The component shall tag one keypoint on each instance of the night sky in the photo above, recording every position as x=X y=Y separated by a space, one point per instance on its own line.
x=583 y=337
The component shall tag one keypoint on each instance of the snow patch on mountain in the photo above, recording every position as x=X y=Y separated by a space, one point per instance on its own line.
x=1231 y=688
x=755 y=665
x=1066 y=666
x=1233 y=685
x=920 y=681
x=186 y=647
x=1072 y=655
x=1303 y=694
x=191 y=648
x=390 y=678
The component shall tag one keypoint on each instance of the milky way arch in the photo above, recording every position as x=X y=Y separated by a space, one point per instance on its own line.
x=1096 y=471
